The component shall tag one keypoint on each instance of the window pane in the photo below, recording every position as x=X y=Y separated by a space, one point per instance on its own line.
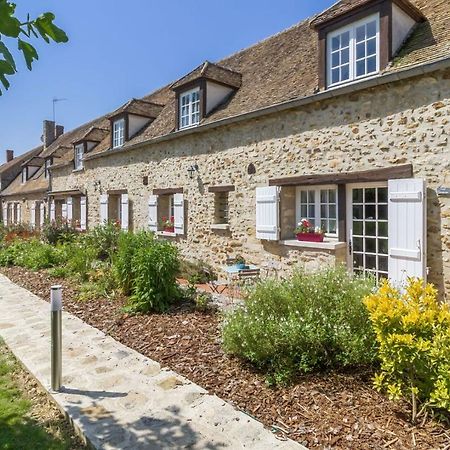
x=360 y=50
x=335 y=59
x=369 y=196
x=383 y=263
x=358 y=260
x=357 y=211
x=323 y=212
x=345 y=56
x=360 y=33
x=335 y=76
x=371 y=262
x=311 y=211
x=372 y=64
x=361 y=68
x=303 y=197
x=358 y=195
x=382 y=195
x=332 y=211
x=370 y=212
x=371 y=228
x=357 y=227
x=371 y=29
x=383 y=246
x=332 y=195
x=382 y=229
x=358 y=244
x=371 y=245
x=332 y=226
x=345 y=72
x=371 y=47
x=324 y=196
x=335 y=43
x=311 y=196
x=382 y=212
x=345 y=39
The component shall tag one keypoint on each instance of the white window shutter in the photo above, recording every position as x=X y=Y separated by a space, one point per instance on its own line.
x=407 y=230
x=69 y=209
x=124 y=212
x=153 y=213
x=19 y=213
x=11 y=214
x=103 y=209
x=5 y=213
x=178 y=212
x=64 y=211
x=33 y=215
x=52 y=211
x=83 y=213
x=42 y=214
x=267 y=213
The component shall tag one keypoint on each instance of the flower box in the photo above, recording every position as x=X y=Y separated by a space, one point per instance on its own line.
x=310 y=237
x=169 y=229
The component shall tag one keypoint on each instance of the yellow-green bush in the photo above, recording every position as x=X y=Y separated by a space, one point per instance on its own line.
x=413 y=334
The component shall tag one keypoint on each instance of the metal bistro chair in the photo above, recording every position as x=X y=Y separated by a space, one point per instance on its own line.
x=216 y=286
x=247 y=278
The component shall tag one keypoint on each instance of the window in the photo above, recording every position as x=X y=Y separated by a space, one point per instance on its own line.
x=221 y=208
x=118 y=133
x=190 y=108
x=24 y=175
x=353 y=51
x=319 y=206
x=47 y=164
x=78 y=159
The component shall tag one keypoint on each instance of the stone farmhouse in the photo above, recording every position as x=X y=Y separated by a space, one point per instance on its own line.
x=343 y=119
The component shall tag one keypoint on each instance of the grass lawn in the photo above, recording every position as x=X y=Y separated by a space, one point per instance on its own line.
x=28 y=419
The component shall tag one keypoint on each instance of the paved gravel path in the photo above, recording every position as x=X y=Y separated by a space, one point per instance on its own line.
x=118 y=398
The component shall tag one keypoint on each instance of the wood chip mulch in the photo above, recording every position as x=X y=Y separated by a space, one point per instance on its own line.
x=329 y=411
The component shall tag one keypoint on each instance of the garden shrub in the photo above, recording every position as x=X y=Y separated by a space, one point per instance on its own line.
x=307 y=323
x=80 y=259
x=127 y=245
x=104 y=239
x=199 y=269
x=413 y=333
x=58 y=232
x=154 y=284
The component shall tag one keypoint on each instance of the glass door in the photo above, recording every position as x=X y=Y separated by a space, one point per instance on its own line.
x=367 y=224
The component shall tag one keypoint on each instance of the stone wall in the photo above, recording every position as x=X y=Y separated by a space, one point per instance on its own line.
x=405 y=122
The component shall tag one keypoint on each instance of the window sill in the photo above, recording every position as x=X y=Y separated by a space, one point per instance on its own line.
x=166 y=233
x=81 y=169
x=327 y=244
x=219 y=226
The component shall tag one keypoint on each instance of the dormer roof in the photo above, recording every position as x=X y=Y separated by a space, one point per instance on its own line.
x=93 y=134
x=138 y=107
x=35 y=161
x=348 y=7
x=212 y=72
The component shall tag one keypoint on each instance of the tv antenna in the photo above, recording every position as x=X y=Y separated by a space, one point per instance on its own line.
x=54 y=101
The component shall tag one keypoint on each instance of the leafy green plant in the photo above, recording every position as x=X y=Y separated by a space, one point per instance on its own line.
x=307 y=323
x=154 y=277
x=81 y=259
x=11 y=27
x=127 y=245
x=104 y=238
x=203 y=301
x=58 y=272
x=200 y=269
x=58 y=232
x=413 y=333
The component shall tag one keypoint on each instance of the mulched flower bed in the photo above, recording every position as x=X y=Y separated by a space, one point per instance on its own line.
x=329 y=411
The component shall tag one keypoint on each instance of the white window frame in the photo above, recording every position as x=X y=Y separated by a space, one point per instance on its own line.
x=352 y=57
x=188 y=111
x=118 y=132
x=78 y=157
x=47 y=164
x=317 y=205
x=24 y=175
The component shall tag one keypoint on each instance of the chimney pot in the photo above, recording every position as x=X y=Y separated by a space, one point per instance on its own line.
x=59 y=130
x=48 y=132
x=9 y=155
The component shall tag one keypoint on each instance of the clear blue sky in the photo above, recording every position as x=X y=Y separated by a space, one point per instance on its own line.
x=119 y=50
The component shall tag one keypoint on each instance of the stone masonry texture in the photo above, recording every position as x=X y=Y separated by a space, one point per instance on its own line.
x=397 y=123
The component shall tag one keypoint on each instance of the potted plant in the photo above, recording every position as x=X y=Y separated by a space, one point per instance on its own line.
x=168 y=224
x=240 y=262
x=306 y=232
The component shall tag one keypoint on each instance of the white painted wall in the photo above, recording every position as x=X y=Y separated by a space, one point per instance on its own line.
x=215 y=94
x=32 y=170
x=401 y=27
x=136 y=124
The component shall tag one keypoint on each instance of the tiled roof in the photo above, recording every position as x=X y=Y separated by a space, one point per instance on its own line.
x=212 y=72
x=347 y=6
x=94 y=134
x=281 y=68
x=139 y=107
x=19 y=160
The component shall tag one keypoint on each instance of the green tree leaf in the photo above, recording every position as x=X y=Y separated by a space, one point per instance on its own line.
x=7 y=55
x=29 y=52
x=47 y=29
x=9 y=25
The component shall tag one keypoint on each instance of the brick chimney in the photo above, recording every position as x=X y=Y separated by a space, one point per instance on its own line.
x=9 y=155
x=59 y=130
x=48 y=135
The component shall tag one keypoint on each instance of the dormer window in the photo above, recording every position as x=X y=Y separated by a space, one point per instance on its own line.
x=24 y=174
x=78 y=157
x=353 y=51
x=118 y=133
x=190 y=108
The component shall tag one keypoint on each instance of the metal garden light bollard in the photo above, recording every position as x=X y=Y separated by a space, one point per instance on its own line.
x=56 y=336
